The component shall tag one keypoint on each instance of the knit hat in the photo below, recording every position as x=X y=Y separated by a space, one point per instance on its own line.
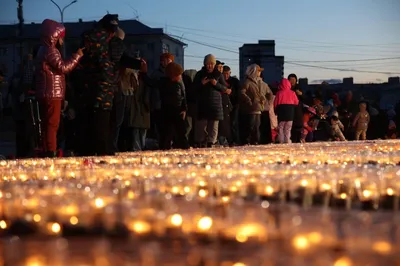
x=173 y=70
x=167 y=56
x=210 y=59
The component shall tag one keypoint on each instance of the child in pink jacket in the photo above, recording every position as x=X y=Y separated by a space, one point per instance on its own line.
x=285 y=103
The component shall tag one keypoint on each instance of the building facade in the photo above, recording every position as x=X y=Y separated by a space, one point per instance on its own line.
x=263 y=54
x=149 y=43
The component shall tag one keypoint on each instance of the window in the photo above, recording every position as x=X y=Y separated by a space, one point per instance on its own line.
x=177 y=52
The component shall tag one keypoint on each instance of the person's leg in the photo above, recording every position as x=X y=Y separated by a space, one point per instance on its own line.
x=118 y=118
x=101 y=132
x=212 y=131
x=287 y=131
x=136 y=140
x=235 y=125
x=246 y=127
x=188 y=126
x=166 y=132
x=51 y=114
x=364 y=134
x=142 y=135
x=200 y=131
x=256 y=130
x=358 y=134
x=180 y=133
x=281 y=136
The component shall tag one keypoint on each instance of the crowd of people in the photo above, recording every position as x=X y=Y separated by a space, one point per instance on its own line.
x=102 y=100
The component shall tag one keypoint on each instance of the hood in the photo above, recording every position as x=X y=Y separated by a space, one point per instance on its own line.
x=190 y=73
x=285 y=85
x=251 y=72
x=51 y=31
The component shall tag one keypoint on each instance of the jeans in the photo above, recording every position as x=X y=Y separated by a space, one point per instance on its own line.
x=139 y=139
x=284 y=131
x=206 y=130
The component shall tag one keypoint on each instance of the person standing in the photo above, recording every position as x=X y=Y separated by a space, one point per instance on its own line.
x=101 y=81
x=233 y=84
x=224 y=127
x=174 y=109
x=285 y=104
x=297 y=125
x=50 y=81
x=251 y=105
x=209 y=83
x=155 y=99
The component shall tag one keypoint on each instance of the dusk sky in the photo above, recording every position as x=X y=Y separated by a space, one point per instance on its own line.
x=307 y=32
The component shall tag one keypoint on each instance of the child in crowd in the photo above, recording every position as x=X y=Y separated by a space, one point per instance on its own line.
x=337 y=128
x=361 y=122
x=308 y=123
x=285 y=103
x=173 y=109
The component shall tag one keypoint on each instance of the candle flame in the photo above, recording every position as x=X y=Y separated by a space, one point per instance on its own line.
x=205 y=223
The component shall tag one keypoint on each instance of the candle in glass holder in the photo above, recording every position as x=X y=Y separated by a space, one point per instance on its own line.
x=389 y=200
x=368 y=201
x=174 y=225
x=322 y=195
x=54 y=228
x=141 y=228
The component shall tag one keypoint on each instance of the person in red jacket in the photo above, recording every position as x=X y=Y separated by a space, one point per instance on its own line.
x=50 y=81
x=285 y=103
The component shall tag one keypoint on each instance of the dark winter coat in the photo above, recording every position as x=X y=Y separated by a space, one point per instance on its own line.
x=209 y=98
x=172 y=96
x=224 y=126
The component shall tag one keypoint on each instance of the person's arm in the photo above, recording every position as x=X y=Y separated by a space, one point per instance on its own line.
x=55 y=60
x=183 y=93
x=243 y=94
x=221 y=84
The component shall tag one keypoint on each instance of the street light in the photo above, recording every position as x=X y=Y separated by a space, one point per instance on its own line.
x=62 y=15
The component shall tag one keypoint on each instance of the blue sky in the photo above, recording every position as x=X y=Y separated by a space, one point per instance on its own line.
x=305 y=31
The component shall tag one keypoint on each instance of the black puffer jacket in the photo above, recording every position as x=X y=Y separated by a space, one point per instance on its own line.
x=172 y=95
x=209 y=98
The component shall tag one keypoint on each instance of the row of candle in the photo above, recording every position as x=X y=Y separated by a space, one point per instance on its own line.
x=294 y=200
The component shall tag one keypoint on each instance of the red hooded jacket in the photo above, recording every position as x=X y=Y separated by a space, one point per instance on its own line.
x=50 y=67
